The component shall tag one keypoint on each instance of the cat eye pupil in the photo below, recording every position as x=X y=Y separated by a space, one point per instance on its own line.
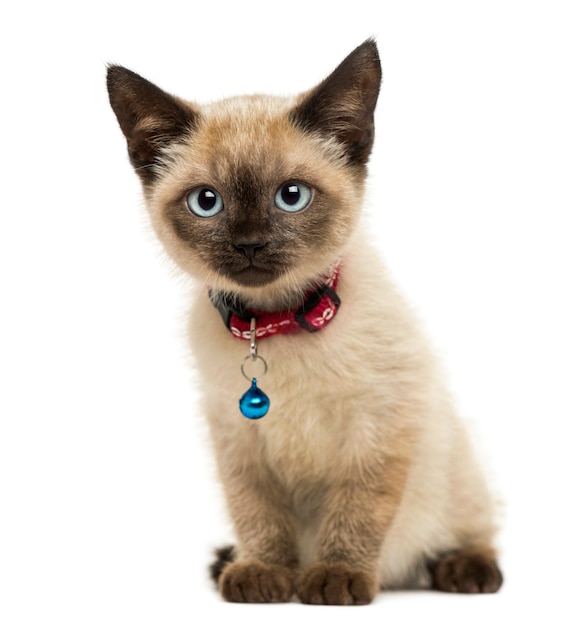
x=290 y=194
x=207 y=199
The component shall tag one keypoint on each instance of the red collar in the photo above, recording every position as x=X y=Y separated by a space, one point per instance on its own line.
x=316 y=311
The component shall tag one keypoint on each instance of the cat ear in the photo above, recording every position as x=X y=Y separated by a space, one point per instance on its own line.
x=342 y=106
x=150 y=118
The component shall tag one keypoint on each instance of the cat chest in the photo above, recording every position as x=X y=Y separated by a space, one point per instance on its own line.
x=322 y=419
x=317 y=442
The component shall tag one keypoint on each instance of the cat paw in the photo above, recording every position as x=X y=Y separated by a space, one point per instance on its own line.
x=255 y=582
x=336 y=583
x=465 y=572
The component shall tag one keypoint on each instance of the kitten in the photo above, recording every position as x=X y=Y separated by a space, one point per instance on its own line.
x=360 y=475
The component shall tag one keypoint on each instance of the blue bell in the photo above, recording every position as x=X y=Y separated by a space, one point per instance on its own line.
x=254 y=404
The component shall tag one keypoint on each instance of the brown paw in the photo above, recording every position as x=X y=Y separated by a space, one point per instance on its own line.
x=224 y=556
x=335 y=583
x=254 y=581
x=464 y=572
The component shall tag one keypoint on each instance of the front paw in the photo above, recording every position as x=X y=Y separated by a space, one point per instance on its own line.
x=336 y=583
x=254 y=581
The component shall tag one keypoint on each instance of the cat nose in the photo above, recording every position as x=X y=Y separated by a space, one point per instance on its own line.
x=249 y=249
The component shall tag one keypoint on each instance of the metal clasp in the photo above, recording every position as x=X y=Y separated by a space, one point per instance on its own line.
x=253 y=356
x=253 y=344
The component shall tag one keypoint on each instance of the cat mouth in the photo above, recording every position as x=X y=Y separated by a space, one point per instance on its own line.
x=255 y=270
x=254 y=275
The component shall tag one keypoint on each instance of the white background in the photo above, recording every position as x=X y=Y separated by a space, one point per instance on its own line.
x=109 y=504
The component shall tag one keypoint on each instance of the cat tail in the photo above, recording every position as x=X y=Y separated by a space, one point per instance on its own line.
x=224 y=556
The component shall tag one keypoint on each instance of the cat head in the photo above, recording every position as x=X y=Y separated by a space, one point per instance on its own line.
x=256 y=195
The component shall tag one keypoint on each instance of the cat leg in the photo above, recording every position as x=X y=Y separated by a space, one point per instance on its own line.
x=468 y=564
x=266 y=554
x=466 y=571
x=354 y=524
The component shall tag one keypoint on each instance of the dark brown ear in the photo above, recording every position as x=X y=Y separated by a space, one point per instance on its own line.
x=149 y=118
x=342 y=106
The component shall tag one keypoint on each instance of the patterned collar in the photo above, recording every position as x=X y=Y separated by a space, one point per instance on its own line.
x=316 y=311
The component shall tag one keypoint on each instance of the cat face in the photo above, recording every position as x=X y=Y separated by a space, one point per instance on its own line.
x=251 y=198
x=254 y=192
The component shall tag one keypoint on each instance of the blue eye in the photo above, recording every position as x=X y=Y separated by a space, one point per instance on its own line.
x=293 y=197
x=204 y=202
